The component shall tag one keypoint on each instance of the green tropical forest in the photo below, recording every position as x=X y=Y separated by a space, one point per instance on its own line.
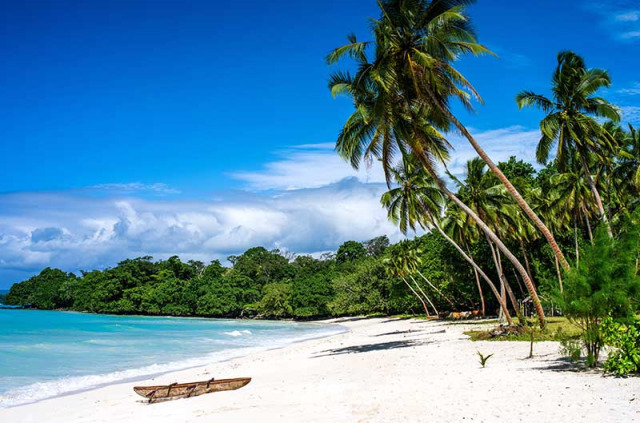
x=512 y=239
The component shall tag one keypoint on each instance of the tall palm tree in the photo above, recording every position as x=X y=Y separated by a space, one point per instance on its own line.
x=570 y=122
x=416 y=42
x=402 y=97
x=418 y=202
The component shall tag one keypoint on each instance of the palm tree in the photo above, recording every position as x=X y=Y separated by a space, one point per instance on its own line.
x=488 y=199
x=416 y=44
x=417 y=202
x=402 y=98
x=457 y=226
x=573 y=197
x=403 y=263
x=570 y=121
x=626 y=173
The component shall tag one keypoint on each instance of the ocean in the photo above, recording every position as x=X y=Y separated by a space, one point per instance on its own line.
x=49 y=353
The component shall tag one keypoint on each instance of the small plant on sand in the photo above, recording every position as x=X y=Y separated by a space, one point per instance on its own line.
x=483 y=359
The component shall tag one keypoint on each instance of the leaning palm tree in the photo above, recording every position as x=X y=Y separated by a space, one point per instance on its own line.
x=457 y=226
x=402 y=97
x=570 y=122
x=418 y=202
x=403 y=263
x=488 y=199
x=416 y=42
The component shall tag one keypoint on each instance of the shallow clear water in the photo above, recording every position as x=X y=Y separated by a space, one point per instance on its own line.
x=48 y=353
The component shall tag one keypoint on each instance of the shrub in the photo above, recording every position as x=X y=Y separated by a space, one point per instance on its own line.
x=603 y=285
x=625 y=338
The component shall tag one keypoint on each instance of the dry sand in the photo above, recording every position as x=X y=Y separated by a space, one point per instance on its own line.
x=381 y=370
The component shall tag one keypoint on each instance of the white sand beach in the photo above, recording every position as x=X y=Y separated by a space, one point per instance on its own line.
x=381 y=370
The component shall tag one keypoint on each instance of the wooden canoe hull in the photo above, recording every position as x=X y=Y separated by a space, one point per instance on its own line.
x=186 y=390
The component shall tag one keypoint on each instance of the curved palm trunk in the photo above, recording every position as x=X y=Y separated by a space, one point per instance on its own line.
x=512 y=190
x=596 y=195
x=436 y=289
x=507 y=285
x=426 y=310
x=477 y=268
x=425 y=295
x=482 y=306
x=483 y=226
x=504 y=283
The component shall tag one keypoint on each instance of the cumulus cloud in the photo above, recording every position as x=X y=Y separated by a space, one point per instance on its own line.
x=87 y=233
x=307 y=201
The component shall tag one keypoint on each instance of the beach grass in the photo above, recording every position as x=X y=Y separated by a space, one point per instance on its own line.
x=558 y=329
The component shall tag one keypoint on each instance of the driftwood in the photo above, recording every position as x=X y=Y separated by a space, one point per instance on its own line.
x=186 y=390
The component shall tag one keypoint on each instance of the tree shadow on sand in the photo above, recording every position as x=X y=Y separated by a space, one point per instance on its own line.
x=391 y=345
x=563 y=364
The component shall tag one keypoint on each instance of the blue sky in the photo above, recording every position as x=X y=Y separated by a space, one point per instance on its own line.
x=202 y=128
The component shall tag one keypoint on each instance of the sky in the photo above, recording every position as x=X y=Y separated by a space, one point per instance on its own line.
x=203 y=128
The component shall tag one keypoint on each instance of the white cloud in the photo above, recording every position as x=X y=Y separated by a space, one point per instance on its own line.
x=316 y=165
x=87 y=233
x=131 y=187
x=630 y=35
x=307 y=166
x=634 y=89
x=500 y=144
x=620 y=17
x=308 y=201
x=631 y=16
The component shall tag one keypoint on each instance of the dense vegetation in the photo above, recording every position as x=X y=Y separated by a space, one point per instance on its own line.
x=260 y=282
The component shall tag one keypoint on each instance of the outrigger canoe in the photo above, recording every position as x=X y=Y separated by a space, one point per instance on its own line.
x=186 y=390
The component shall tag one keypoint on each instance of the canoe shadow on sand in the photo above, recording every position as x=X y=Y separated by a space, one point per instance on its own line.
x=381 y=346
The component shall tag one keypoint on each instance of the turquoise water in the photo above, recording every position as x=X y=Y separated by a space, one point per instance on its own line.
x=59 y=352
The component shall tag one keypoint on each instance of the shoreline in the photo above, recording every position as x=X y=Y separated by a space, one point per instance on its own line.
x=78 y=384
x=380 y=369
x=251 y=350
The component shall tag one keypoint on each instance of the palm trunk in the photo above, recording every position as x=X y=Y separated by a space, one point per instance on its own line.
x=504 y=283
x=483 y=226
x=477 y=276
x=586 y=218
x=559 y=275
x=526 y=260
x=437 y=290
x=477 y=268
x=596 y=195
x=425 y=295
x=575 y=238
x=512 y=297
x=512 y=190
x=426 y=310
